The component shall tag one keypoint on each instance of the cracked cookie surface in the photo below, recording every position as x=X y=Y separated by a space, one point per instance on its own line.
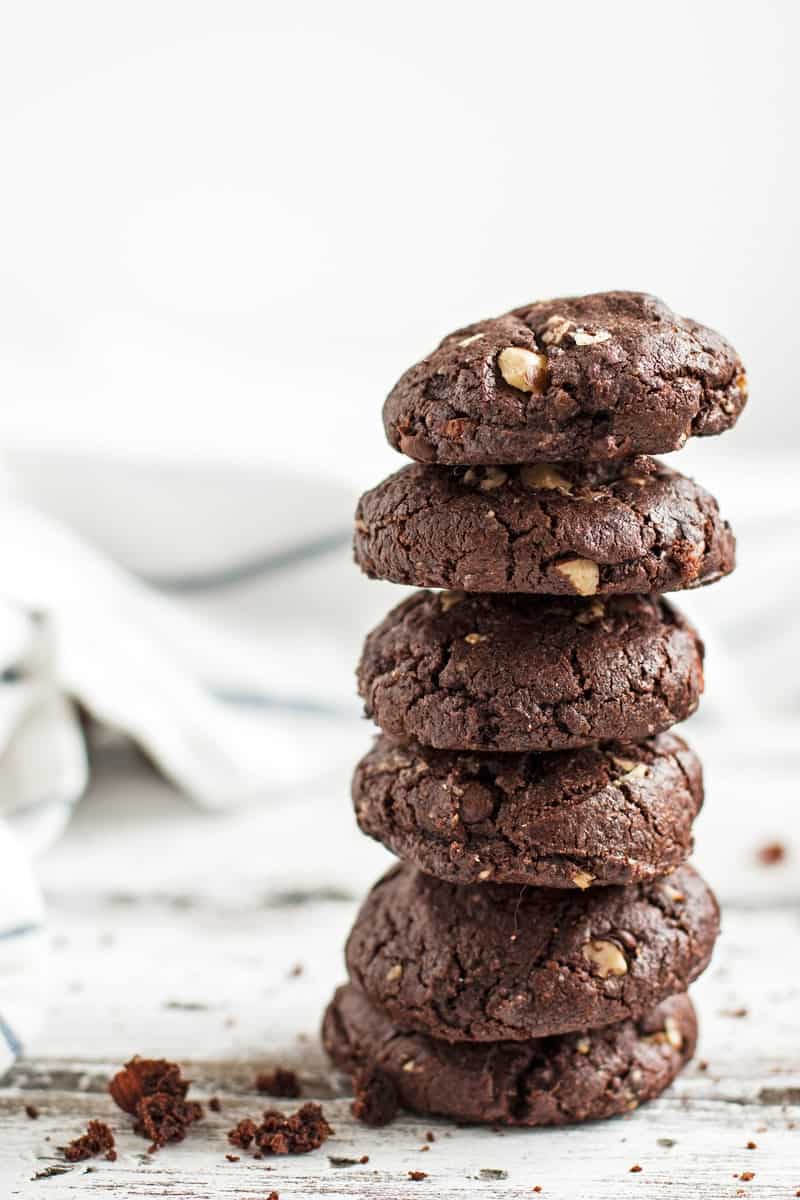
x=612 y=814
x=640 y=525
x=505 y=963
x=604 y=376
x=513 y=672
x=546 y=1081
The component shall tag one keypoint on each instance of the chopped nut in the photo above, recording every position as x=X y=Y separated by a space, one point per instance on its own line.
x=606 y=957
x=494 y=478
x=474 y=639
x=394 y=972
x=473 y=337
x=583 y=1045
x=630 y=768
x=556 y=327
x=582 y=573
x=409 y=1065
x=673 y=894
x=448 y=600
x=525 y=370
x=361 y=526
x=545 y=476
x=582 y=880
x=581 y=338
x=485 y=874
x=592 y=612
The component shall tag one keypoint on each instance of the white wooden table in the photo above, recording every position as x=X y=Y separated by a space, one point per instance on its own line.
x=178 y=934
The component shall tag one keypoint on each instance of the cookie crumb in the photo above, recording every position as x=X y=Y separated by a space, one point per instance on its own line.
x=273 y=1196
x=746 y=1176
x=751 y=1146
x=98 y=1139
x=772 y=853
x=303 y=1131
x=32 y=1112
x=214 y=1104
x=296 y=970
x=375 y=1100
x=280 y=1081
x=417 y=1175
x=153 y=1091
x=430 y=1136
x=233 y=1158
x=537 y=1188
x=635 y=1169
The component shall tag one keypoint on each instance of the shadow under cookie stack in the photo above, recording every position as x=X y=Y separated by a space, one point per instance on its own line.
x=527 y=961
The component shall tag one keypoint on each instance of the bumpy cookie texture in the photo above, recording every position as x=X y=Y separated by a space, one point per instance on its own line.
x=512 y=672
x=615 y=814
x=561 y=529
x=547 y=1081
x=499 y=963
x=605 y=376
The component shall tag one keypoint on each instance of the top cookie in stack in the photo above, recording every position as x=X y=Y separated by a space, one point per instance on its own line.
x=525 y=714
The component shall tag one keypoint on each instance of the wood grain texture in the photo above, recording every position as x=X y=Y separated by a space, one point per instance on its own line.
x=175 y=933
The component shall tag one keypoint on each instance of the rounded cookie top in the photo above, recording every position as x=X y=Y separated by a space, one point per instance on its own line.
x=499 y=963
x=545 y=1081
x=612 y=814
x=513 y=672
x=604 y=376
x=566 y=529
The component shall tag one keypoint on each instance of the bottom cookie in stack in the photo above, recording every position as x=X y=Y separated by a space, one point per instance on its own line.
x=545 y=1081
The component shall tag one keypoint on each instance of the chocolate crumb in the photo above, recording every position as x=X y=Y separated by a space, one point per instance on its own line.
x=375 y=1100
x=537 y=1188
x=233 y=1158
x=214 y=1104
x=299 y=1133
x=273 y=1196
x=154 y=1092
x=751 y=1146
x=702 y=1065
x=364 y=1159
x=31 y=1111
x=772 y=853
x=746 y=1176
x=635 y=1169
x=281 y=1081
x=417 y=1175
x=98 y=1139
x=429 y=1136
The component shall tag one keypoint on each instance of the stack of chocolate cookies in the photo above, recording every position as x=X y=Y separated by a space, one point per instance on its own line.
x=527 y=961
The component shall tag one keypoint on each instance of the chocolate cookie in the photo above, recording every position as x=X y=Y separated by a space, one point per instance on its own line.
x=595 y=528
x=614 y=814
x=499 y=962
x=529 y=672
x=547 y=1081
x=596 y=377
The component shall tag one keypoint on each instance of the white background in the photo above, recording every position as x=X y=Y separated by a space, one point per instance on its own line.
x=226 y=228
